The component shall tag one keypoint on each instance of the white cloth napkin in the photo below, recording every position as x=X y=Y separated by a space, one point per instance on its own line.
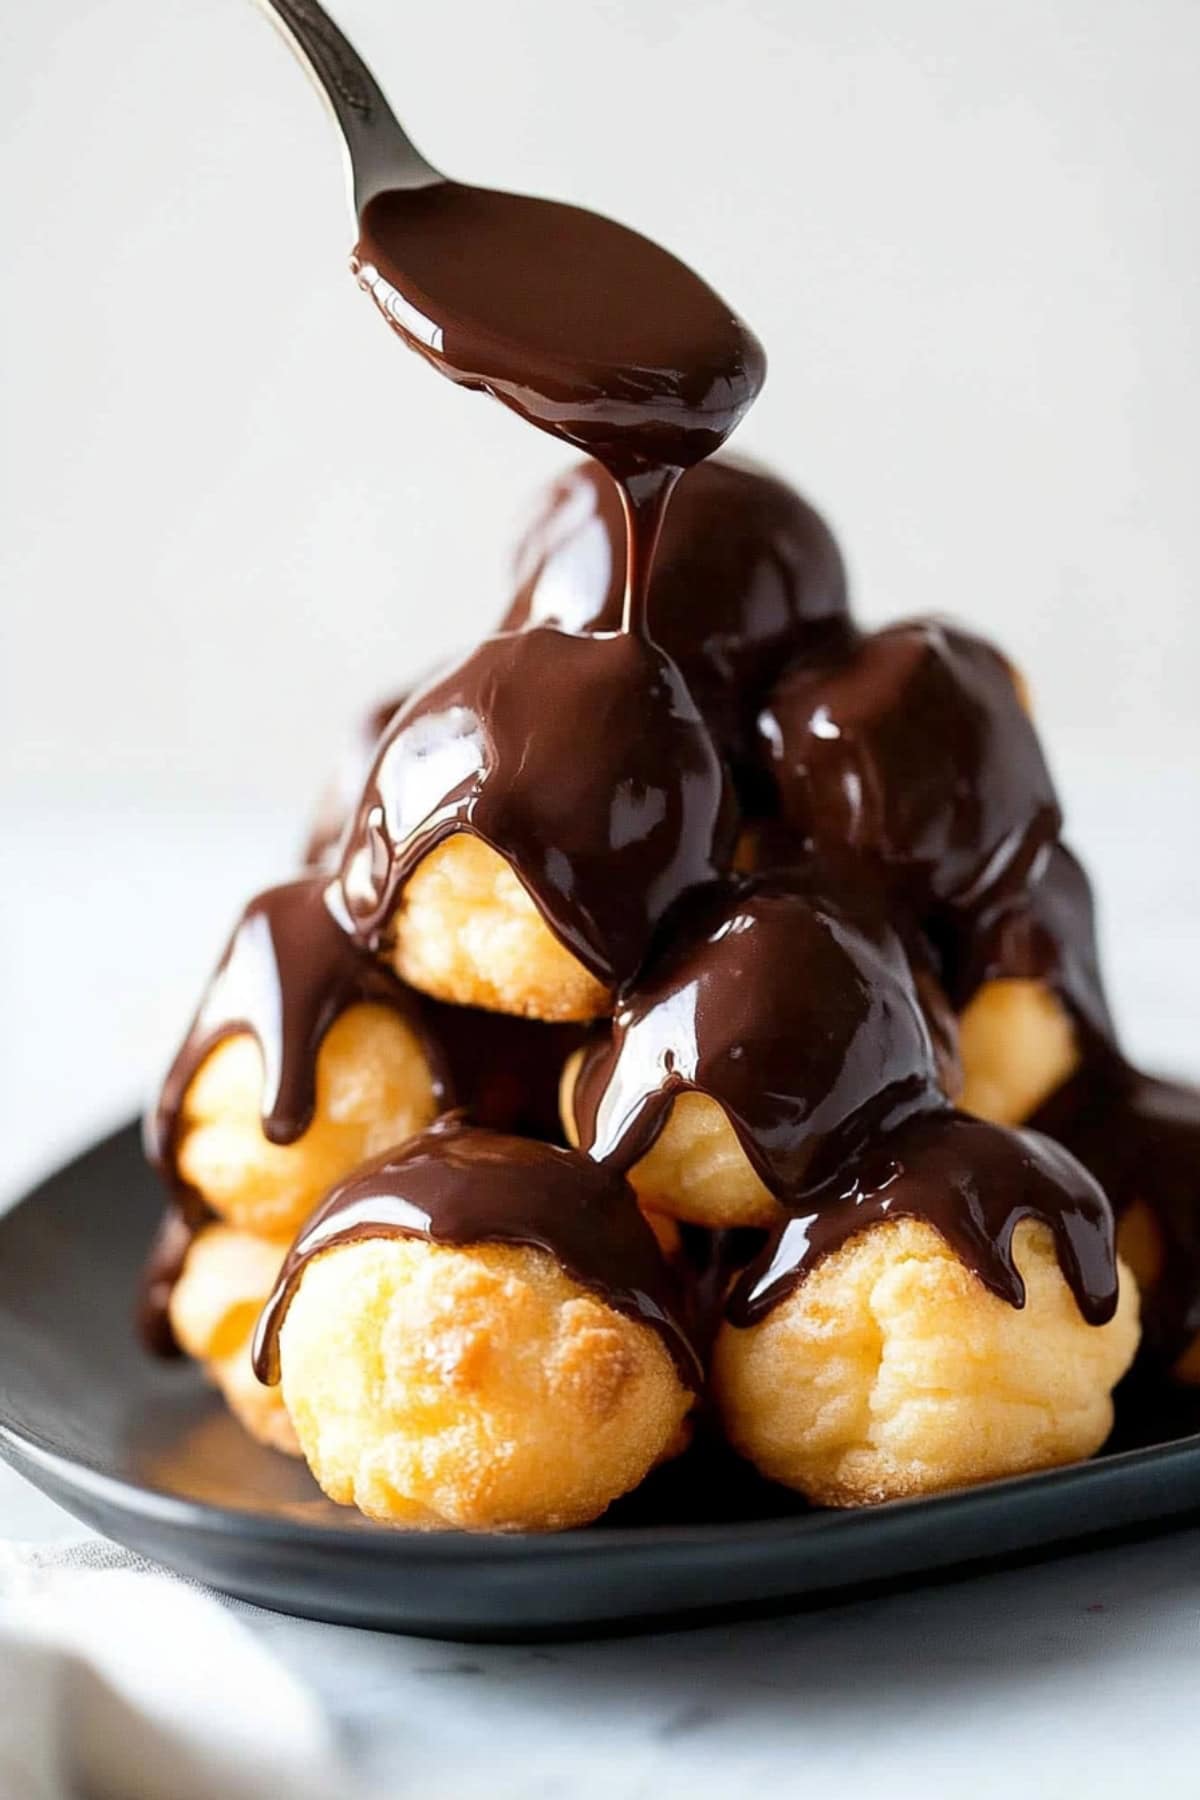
x=121 y=1682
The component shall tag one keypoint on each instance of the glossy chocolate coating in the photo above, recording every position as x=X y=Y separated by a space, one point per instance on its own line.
x=1044 y=932
x=797 y=1014
x=1140 y=1137
x=746 y=578
x=456 y=1184
x=584 y=764
x=973 y=1183
x=581 y=326
x=287 y=973
x=582 y=761
x=338 y=798
x=912 y=750
x=503 y=1071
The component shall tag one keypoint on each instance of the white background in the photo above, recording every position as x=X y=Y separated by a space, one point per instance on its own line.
x=233 y=510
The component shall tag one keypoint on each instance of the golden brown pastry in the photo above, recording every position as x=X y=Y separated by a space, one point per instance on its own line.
x=960 y=1319
x=373 y=1088
x=214 y=1308
x=479 y=1331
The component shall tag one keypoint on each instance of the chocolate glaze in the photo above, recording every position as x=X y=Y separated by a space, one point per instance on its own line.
x=911 y=748
x=769 y=846
x=456 y=1184
x=600 y=337
x=794 y=1011
x=503 y=1071
x=345 y=785
x=287 y=973
x=1044 y=932
x=1140 y=1138
x=973 y=1183
x=582 y=761
x=746 y=577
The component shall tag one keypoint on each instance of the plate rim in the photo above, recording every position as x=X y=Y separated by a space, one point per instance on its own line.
x=34 y=1453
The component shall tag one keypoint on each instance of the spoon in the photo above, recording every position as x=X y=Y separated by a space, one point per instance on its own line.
x=580 y=325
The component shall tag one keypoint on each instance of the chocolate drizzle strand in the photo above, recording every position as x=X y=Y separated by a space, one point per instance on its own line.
x=1140 y=1137
x=911 y=748
x=456 y=1184
x=796 y=1014
x=288 y=972
x=746 y=577
x=974 y=1183
x=338 y=798
x=582 y=761
x=1045 y=932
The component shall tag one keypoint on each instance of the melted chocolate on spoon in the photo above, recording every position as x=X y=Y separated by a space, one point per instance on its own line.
x=796 y=1014
x=973 y=1183
x=584 y=763
x=583 y=327
x=455 y=1184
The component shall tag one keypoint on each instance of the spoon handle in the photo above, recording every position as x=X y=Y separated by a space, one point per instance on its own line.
x=380 y=153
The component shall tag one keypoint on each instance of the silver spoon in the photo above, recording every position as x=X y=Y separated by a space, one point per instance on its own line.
x=379 y=153
x=581 y=326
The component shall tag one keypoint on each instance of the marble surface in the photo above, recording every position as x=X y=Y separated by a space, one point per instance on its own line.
x=1070 y=1673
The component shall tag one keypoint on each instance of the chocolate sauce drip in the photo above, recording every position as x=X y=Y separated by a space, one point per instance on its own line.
x=583 y=327
x=912 y=749
x=341 y=792
x=972 y=1182
x=713 y=1259
x=504 y=1071
x=582 y=761
x=746 y=578
x=771 y=847
x=1046 y=932
x=588 y=770
x=1140 y=1138
x=456 y=1184
x=797 y=1014
x=288 y=971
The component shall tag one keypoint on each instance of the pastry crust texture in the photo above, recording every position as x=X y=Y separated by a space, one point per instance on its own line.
x=374 y=1089
x=1017 y=1044
x=892 y=1371
x=214 y=1308
x=480 y=1388
x=467 y=931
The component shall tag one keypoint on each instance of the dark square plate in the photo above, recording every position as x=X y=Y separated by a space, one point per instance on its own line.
x=145 y=1452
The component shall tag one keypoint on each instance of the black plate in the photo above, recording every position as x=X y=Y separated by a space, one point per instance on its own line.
x=146 y=1453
